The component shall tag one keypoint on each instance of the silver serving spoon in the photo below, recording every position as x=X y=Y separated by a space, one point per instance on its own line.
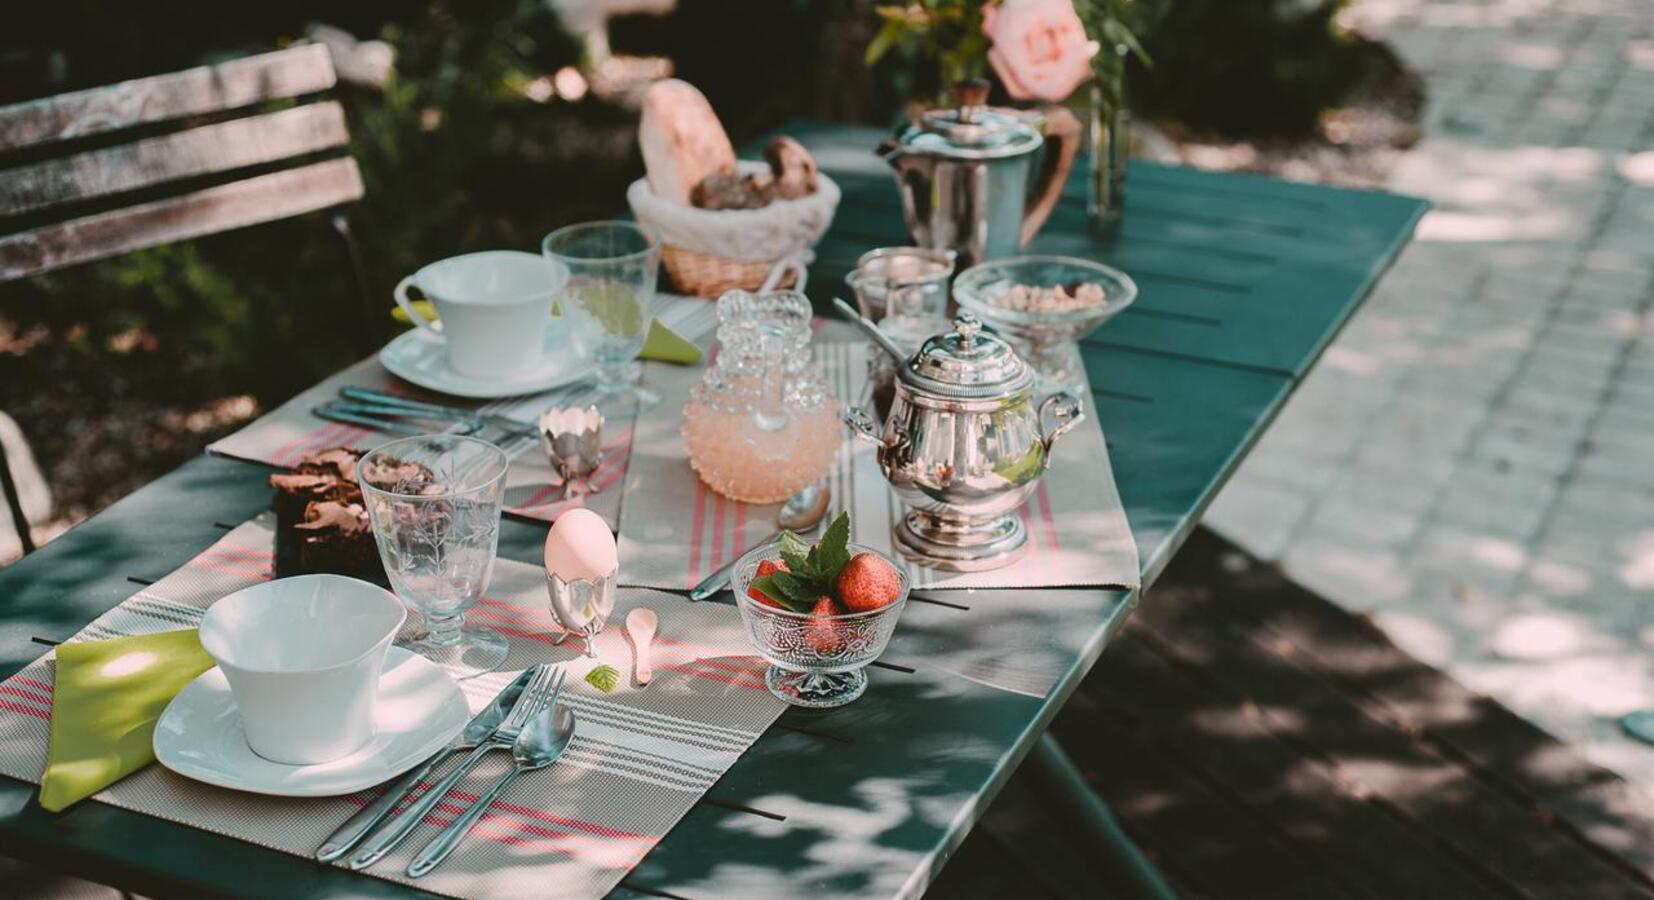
x=542 y=740
x=802 y=512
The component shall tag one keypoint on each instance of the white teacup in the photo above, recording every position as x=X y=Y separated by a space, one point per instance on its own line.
x=302 y=656
x=491 y=308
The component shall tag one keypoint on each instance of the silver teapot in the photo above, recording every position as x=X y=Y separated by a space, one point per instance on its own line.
x=964 y=174
x=963 y=447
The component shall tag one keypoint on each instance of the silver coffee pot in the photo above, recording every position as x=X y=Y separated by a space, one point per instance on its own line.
x=963 y=447
x=964 y=174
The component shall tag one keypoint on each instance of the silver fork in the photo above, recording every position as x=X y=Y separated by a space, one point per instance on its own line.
x=542 y=691
x=542 y=741
x=512 y=440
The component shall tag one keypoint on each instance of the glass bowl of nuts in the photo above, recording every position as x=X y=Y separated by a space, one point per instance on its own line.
x=1044 y=305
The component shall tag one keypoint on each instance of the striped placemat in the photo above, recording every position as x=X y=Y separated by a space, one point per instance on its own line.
x=290 y=432
x=640 y=759
x=675 y=531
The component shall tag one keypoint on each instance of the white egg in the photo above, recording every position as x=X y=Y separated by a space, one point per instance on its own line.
x=580 y=545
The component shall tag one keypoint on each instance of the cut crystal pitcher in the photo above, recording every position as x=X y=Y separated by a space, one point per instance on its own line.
x=761 y=424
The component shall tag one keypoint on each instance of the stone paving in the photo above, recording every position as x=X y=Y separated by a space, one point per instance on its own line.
x=1472 y=464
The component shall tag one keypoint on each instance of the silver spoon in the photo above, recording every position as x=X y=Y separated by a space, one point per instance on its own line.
x=542 y=740
x=802 y=512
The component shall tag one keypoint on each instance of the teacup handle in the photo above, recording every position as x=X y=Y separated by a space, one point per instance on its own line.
x=401 y=295
x=1067 y=410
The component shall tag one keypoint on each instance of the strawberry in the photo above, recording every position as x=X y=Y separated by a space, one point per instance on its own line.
x=868 y=582
x=823 y=633
x=766 y=567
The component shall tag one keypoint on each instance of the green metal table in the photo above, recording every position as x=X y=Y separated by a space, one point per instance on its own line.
x=1244 y=282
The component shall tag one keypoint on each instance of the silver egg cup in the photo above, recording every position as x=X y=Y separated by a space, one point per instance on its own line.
x=582 y=605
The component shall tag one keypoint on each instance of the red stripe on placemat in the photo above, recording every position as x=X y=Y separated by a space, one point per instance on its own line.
x=239 y=553
x=24 y=679
x=697 y=518
x=318 y=438
x=717 y=560
x=30 y=696
x=228 y=568
x=740 y=537
x=25 y=710
x=1045 y=517
x=280 y=456
x=605 y=852
x=611 y=470
x=574 y=824
x=506 y=609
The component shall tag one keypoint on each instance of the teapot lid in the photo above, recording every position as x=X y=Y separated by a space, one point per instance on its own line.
x=972 y=130
x=967 y=363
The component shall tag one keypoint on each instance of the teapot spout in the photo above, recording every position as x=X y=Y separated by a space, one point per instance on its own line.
x=862 y=423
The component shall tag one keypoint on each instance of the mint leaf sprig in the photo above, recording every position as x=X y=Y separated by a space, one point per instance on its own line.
x=813 y=569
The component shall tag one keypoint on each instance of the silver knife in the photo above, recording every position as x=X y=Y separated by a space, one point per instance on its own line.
x=479 y=729
x=717 y=581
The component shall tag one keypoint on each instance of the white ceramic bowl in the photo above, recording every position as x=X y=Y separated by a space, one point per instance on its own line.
x=302 y=656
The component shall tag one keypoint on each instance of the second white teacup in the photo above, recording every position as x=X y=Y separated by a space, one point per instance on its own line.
x=302 y=656
x=492 y=308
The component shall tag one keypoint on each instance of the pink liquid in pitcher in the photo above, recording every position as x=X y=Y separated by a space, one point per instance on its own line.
x=739 y=458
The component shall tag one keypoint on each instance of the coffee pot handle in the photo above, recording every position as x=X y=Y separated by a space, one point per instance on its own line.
x=1062 y=128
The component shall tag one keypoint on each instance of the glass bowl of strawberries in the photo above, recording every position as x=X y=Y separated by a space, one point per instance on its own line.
x=819 y=613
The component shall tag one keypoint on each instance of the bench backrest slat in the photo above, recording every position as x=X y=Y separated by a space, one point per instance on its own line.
x=251 y=201
x=199 y=151
x=104 y=197
x=161 y=98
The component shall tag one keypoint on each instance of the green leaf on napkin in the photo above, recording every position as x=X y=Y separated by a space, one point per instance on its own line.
x=105 y=701
x=604 y=678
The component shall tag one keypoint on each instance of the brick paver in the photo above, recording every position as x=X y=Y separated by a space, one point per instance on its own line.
x=1473 y=461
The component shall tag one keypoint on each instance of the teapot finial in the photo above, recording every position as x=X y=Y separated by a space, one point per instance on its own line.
x=967 y=326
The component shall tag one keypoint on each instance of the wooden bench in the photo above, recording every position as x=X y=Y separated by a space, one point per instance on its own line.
x=110 y=170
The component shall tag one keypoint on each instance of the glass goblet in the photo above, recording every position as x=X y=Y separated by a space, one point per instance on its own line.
x=610 y=297
x=434 y=501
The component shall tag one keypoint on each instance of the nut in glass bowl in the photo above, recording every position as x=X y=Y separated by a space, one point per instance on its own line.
x=1044 y=305
x=815 y=660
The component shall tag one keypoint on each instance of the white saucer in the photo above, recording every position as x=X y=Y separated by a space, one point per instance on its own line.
x=422 y=359
x=420 y=709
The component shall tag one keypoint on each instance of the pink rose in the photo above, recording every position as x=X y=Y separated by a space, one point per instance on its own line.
x=1039 y=47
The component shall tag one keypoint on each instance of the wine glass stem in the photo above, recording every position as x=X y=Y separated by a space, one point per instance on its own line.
x=614 y=377
x=444 y=629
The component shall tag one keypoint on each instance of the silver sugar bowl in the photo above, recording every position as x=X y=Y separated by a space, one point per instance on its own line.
x=964 y=446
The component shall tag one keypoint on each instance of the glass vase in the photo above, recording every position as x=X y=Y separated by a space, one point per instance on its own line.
x=1109 y=137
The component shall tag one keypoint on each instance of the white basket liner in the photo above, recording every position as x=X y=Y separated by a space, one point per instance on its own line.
x=782 y=229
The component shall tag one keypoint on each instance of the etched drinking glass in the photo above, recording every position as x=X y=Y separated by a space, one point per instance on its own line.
x=609 y=300
x=435 y=505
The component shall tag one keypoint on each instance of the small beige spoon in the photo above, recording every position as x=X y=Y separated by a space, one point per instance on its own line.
x=640 y=627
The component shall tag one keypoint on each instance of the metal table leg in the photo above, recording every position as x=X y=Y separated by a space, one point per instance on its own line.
x=1061 y=781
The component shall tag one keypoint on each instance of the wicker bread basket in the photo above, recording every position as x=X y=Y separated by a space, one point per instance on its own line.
x=707 y=252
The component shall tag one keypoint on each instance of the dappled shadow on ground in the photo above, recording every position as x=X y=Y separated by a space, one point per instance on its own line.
x=1256 y=740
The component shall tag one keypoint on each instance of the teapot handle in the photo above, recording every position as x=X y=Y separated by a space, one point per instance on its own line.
x=1067 y=410
x=1063 y=128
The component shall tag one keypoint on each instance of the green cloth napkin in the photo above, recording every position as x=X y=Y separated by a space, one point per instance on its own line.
x=105 y=701
x=666 y=345
x=663 y=344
